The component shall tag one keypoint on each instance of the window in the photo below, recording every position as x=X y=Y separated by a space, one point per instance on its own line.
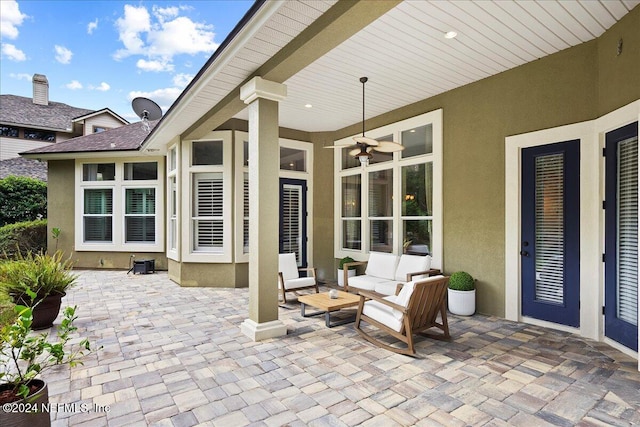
x=206 y=227
x=98 y=129
x=98 y=215
x=393 y=205
x=208 y=219
x=292 y=159
x=140 y=171
x=99 y=172
x=172 y=204
x=117 y=207
x=9 y=131
x=140 y=210
x=41 y=135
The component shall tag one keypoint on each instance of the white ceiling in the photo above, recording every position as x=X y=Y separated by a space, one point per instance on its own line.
x=407 y=59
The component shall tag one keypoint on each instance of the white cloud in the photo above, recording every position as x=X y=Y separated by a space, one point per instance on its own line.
x=12 y=52
x=163 y=97
x=103 y=87
x=160 y=36
x=156 y=66
x=10 y=18
x=74 y=85
x=63 y=55
x=92 y=26
x=21 y=76
x=182 y=80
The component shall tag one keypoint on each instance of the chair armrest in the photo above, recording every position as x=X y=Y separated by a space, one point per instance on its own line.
x=311 y=269
x=375 y=296
x=431 y=272
x=345 y=272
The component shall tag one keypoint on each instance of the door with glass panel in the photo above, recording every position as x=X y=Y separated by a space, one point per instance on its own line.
x=550 y=233
x=621 y=236
x=293 y=219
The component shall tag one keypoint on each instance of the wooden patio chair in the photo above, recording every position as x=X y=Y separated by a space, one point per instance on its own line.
x=413 y=310
x=289 y=279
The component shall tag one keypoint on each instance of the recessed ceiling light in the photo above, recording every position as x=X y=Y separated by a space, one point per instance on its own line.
x=308 y=105
x=450 y=35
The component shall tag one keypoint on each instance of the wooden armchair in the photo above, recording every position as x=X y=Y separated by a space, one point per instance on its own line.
x=289 y=279
x=413 y=310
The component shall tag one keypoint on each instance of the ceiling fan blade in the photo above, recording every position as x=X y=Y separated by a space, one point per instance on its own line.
x=355 y=151
x=339 y=144
x=388 y=147
x=366 y=140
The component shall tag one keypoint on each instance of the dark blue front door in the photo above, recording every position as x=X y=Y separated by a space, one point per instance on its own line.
x=550 y=234
x=293 y=218
x=621 y=236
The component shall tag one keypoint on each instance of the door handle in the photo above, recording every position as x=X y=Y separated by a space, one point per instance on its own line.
x=524 y=253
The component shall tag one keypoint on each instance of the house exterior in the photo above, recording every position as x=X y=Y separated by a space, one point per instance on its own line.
x=502 y=176
x=29 y=123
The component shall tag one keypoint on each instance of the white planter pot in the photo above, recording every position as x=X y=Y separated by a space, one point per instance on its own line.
x=462 y=303
x=351 y=273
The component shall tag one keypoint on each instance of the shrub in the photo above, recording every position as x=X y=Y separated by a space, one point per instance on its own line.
x=23 y=237
x=22 y=199
x=346 y=260
x=461 y=281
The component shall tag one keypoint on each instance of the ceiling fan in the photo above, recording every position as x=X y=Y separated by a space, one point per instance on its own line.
x=364 y=145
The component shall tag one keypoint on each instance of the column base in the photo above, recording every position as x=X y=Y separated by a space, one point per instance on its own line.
x=262 y=331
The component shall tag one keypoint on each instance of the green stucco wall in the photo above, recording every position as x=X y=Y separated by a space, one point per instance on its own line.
x=209 y=275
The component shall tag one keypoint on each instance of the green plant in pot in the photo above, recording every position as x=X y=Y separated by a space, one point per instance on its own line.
x=25 y=356
x=351 y=272
x=462 y=294
x=48 y=276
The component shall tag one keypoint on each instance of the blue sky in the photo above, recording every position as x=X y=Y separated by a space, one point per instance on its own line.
x=102 y=54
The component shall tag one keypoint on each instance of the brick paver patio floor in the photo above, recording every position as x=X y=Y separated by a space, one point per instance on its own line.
x=175 y=356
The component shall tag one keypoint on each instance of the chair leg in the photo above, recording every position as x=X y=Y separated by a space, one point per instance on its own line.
x=284 y=296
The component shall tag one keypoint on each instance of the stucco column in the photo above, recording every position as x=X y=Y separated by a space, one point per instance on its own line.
x=262 y=96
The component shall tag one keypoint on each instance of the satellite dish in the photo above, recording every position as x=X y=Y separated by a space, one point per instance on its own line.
x=146 y=108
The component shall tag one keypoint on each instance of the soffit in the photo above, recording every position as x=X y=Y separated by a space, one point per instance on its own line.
x=407 y=59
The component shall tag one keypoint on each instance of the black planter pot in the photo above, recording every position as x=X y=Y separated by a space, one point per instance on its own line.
x=44 y=313
x=17 y=417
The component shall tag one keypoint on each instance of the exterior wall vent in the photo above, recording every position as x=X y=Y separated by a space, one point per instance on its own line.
x=40 y=89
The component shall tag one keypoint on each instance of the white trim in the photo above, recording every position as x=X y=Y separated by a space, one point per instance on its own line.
x=187 y=252
x=119 y=185
x=592 y=174
x=435 y=119
x=258 y=87
x=262 y=331
x=173 y=254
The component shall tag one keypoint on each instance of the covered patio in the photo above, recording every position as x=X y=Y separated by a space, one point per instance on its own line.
x=175 y=356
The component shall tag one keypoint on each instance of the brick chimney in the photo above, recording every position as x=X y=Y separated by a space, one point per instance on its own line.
x=40 y=89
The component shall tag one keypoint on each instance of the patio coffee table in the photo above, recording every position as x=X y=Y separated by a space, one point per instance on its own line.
x=327 y=305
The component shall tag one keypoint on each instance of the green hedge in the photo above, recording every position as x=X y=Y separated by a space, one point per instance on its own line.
x=22 y=199
x=29 y=236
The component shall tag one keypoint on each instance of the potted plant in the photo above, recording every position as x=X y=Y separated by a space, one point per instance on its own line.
x=462 y=294
x=48 y=276
x=351 y=272
x=26 y=355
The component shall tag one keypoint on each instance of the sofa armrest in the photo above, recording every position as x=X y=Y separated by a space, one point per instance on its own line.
x=345 y=272
x=431 y=272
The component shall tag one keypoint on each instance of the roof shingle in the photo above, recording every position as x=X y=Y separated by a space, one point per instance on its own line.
x=20 y=110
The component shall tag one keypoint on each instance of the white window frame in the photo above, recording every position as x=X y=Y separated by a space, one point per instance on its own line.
x=173 y=174
x=396 y=164
x=186 y=185
x=119 y=186
x=240 y=169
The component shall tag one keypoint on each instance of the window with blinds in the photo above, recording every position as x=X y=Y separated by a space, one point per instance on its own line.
x=290 y=231
x=627 y=245
x=208 y=220
x=173 y=213
x=549 y=219
x=245 y=214
x=98 y=215
x=139 y=217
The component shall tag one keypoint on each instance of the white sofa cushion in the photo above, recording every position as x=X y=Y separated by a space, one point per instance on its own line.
x=365 y=282
x=402 y=299
x=387 y=287
x=411 y=264
x=381 y=265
